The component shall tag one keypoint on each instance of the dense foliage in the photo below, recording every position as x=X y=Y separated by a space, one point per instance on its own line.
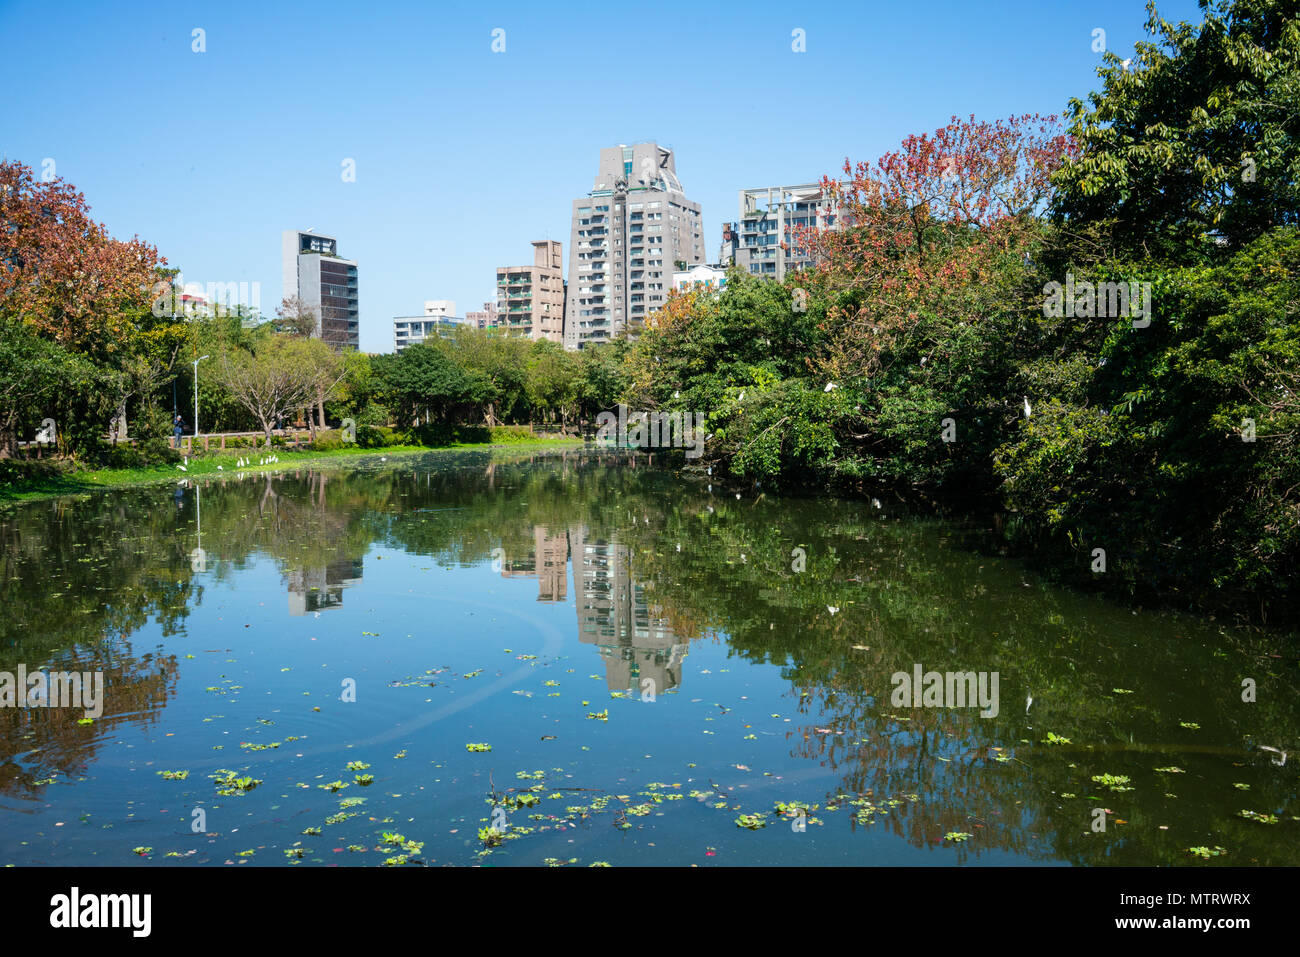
x=923 y=355
x=927 y=361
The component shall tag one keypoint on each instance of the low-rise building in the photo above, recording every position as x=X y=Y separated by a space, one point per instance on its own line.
x=486 y=318
x=701 y=276
x=439 y=319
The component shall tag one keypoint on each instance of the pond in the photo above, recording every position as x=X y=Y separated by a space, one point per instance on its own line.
x=575 y=659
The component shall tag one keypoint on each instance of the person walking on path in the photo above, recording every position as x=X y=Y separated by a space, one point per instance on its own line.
x=178 y=429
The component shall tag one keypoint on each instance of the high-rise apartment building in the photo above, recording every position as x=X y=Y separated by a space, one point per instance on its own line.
x=324 y=282
x=768 y=218
x=629 y=233
x=530 y=299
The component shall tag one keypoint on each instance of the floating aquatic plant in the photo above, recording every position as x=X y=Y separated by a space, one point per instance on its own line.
x=1258 y=816
x=1116 y=782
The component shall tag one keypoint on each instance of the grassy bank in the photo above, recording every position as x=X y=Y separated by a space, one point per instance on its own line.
x=60 y=479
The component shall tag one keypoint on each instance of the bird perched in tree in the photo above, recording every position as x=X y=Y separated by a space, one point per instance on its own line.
x=1028 y=408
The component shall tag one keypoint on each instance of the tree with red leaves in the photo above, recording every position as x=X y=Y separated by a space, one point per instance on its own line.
x=66 y=281
x=62 y=273
x=924 y=228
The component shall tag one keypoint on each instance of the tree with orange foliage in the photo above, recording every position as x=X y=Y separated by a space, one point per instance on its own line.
x=925 y=229
x=62 y=273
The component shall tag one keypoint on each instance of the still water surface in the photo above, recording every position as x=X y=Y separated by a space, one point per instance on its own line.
x=650 y=661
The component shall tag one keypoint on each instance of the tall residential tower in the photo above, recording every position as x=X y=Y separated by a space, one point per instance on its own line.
x=323 y=282
x=630 y=232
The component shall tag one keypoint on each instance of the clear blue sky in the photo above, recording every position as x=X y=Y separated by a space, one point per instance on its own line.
x=464 y=156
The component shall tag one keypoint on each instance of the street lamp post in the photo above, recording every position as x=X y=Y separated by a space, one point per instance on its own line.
x=196 y=396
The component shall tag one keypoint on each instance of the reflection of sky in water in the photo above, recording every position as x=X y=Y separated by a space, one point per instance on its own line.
x=544 y=650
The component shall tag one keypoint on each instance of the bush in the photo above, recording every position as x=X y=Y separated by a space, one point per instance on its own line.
x=327 y=442
x=502 y=434
x=370 y=437
x=158 y=451
x=373 y=414
x=433 y=434
x=17 y=472
x=440 y=434
x=155 y=451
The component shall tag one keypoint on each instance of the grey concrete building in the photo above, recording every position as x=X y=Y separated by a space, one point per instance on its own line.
x=629 y=233
x=324 y=282
x=530 y=299
x=769 y=216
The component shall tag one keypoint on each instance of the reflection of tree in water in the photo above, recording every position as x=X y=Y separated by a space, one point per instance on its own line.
x=878 y=595
x=74 y=569
x=696 y=564
x=896 y=590
x=39 y=745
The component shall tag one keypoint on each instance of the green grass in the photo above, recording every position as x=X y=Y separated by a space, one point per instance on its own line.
x=205 y=465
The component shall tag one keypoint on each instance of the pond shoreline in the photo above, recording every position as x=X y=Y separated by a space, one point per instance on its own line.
x=212 y=464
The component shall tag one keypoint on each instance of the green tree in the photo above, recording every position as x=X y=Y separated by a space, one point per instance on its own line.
x=1196 y=140
x=422 y=380
x=274 y=379
x=33 y=373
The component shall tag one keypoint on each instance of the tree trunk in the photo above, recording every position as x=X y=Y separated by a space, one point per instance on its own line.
x=117 y=431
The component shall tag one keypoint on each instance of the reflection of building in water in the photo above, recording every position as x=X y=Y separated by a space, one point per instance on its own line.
x=548 y=564
x=614 y=614
x=315 y=589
